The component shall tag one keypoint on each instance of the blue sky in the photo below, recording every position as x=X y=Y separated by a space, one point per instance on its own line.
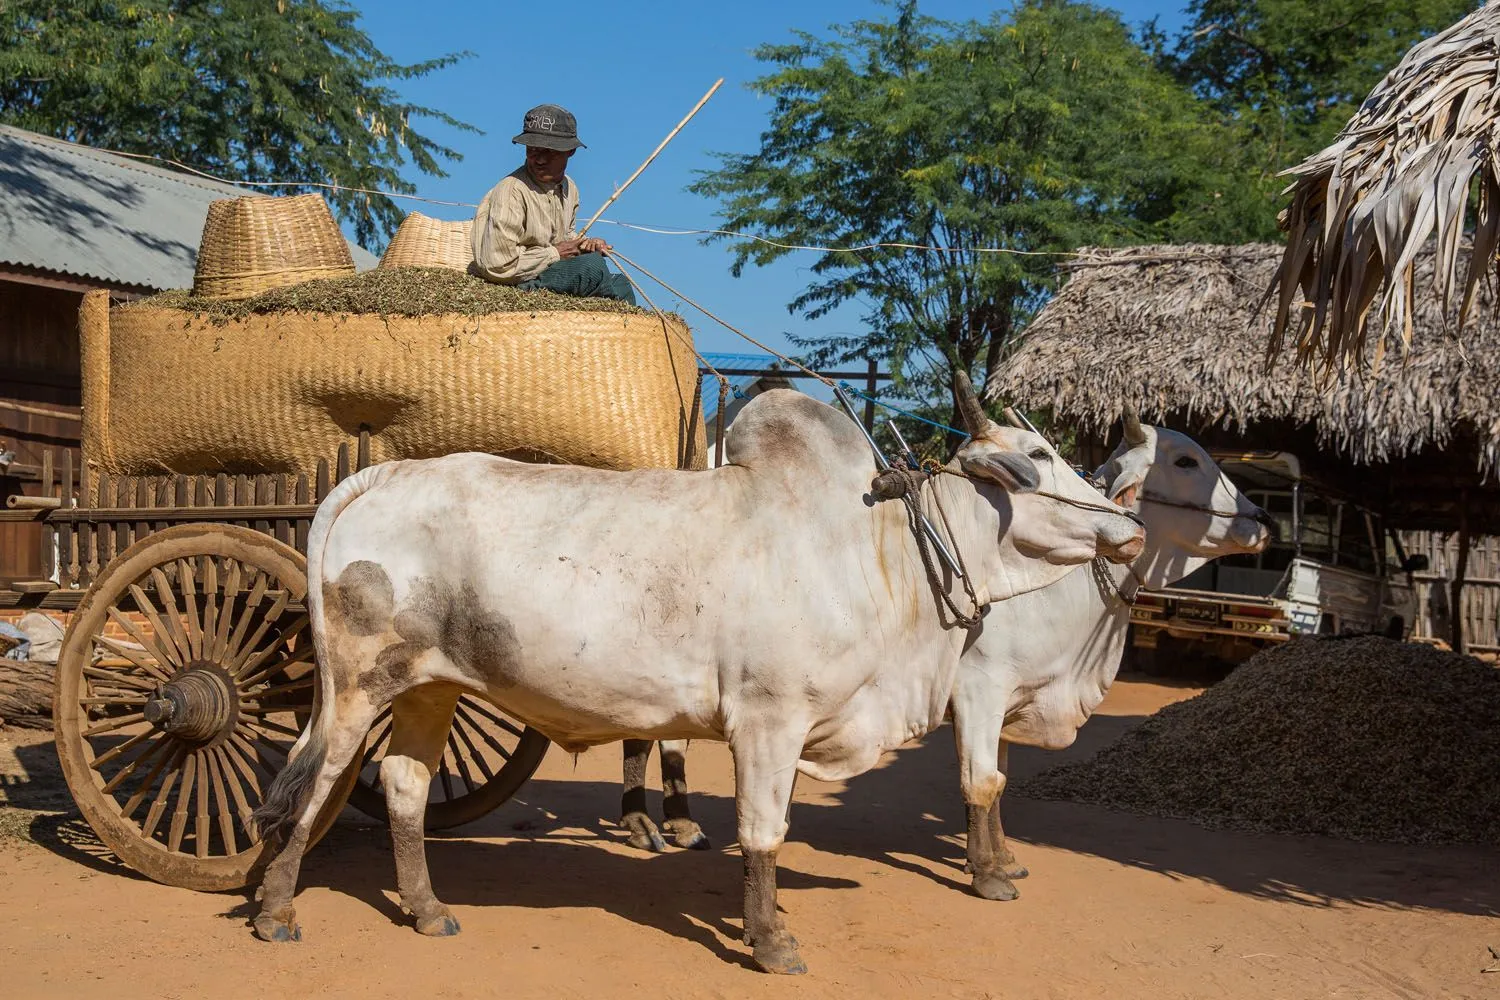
x=629 y=72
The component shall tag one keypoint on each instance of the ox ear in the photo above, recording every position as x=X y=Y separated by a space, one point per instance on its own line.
x=1010 y=469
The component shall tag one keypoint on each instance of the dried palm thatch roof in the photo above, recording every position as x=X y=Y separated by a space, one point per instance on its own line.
x=1364 y=208
x=1179 y=332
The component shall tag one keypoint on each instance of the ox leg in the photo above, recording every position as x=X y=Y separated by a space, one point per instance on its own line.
x=764 y=770
x=344 y=736
x=420 y=722
x=1013 y=869
x=677 y=816
x=643 y=833
x=977 y=733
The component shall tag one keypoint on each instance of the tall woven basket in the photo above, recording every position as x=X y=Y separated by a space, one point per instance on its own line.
x=251 y=245
x=422 y=241
x=166 y=390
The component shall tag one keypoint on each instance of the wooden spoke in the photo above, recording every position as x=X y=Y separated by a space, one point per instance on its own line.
x=129 y=769
x=180 y=814
x=474 y=705
x=240 y=657
x=243 y=756
x=304 y=684
x=162 y=643
x=159 y=804
x=170 y=614
x=221 y=796
x=134 y=802
x=122 y=749
x=282 y=642
x=474 y=754
x=111 y=725
x=463 y=769
x=484 y=734
x=446 y=776
x=139 y=657
x=231 y=780
x=189 y=585
x=122 y=699
x=277 y=727
x=262 y=740
x=121 y=679
x=210 y=605
x=294 y=658
x=247 y=613
x=202 y=826
x=165 y=664
x=226 y=613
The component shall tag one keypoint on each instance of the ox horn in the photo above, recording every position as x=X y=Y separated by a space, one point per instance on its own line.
x=970 y=411
x=1135 y=434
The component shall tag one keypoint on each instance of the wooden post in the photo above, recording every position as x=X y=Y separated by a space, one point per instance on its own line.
x=870 y=386
x=1456 y=588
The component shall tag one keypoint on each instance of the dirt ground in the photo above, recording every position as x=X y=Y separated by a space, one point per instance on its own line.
x=554 y=904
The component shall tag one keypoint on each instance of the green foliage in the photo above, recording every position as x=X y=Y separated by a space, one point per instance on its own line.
x=1286 y=75
x=248 y=90
x=1042 y=130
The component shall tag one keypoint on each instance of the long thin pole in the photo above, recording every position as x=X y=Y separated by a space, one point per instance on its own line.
x=638 y=170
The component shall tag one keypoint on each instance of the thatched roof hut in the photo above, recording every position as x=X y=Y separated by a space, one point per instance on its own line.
x=1178 y=331
x=1403 y=168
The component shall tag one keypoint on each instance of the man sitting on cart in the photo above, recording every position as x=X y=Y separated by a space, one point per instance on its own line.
x=526 y=229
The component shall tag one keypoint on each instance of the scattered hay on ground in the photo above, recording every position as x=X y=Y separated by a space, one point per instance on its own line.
x=395 y=291
x=1363 y=738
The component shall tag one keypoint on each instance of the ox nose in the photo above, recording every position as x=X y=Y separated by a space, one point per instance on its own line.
x=1269 y=523
x=1126 y=551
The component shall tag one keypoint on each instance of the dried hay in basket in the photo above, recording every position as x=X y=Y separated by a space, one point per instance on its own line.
x=250 y=245
x=167 y=390
x=422 y=241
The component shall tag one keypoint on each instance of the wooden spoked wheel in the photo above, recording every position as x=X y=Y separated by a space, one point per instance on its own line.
x=487 y=759
x=179 y=683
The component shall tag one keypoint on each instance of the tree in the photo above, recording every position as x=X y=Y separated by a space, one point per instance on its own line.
x=1286 y=75
x=245 y=90
x=1043 y=130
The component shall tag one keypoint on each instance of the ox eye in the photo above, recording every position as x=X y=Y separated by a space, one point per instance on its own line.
x=1186 y=462
x=1039 y=455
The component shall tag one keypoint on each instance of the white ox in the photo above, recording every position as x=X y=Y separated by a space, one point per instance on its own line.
x=770 y=603
x=1042 y=662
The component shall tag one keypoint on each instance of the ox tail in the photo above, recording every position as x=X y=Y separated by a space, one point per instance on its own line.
x=285 y=799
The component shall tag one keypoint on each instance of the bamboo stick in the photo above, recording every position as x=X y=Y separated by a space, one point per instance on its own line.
x=638 y=170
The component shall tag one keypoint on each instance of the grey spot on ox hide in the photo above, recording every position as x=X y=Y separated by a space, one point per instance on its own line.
x=437 y=614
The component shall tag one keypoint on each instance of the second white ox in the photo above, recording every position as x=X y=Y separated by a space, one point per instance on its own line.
x=770 y=603
x=1041 y=664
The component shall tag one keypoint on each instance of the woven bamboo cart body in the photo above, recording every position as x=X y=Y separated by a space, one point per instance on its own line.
x=187 y=670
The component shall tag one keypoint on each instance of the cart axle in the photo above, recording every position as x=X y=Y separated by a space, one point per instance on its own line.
x=198 y=705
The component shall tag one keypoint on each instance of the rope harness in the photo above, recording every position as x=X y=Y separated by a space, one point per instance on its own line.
x=901 y=483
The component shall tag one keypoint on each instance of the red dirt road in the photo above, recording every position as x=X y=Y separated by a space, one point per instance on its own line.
x=553 y=904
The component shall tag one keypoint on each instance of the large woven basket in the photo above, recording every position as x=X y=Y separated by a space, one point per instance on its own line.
x=422 y=241
x=170 y=391
x=251 y=245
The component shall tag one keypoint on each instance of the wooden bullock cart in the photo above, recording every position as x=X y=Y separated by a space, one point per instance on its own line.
x=187 y=669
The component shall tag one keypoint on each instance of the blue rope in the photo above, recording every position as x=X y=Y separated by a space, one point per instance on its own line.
x=906 y=413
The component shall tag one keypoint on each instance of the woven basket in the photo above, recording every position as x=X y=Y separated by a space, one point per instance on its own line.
x=171 y=391
x=422 y=241
x=250 y=245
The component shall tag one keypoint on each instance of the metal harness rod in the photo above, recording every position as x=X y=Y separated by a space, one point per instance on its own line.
x=883 y=464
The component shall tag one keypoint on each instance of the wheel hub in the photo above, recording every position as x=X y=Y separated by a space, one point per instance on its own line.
x=199 y=704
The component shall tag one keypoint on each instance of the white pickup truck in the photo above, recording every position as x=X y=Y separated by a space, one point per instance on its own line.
x=1334 y=569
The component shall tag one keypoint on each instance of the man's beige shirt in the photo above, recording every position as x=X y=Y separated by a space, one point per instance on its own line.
x=517 y=224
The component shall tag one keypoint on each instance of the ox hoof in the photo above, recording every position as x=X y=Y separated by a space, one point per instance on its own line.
x=779 y=956
x=994 y=885
x=644 y=836
x=438 y=925
x=278 y=929
x=1015 y=870
x=688 y=835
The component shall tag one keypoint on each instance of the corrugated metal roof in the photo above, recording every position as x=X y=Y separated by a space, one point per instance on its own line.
x=81 y=211
x=737 y=383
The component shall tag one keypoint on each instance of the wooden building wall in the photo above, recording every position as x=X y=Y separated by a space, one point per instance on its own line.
x=39 y=403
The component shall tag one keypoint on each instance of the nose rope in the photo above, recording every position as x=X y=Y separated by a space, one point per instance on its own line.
x=1097 y=508
x=1201 y=508
x=900 y=482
